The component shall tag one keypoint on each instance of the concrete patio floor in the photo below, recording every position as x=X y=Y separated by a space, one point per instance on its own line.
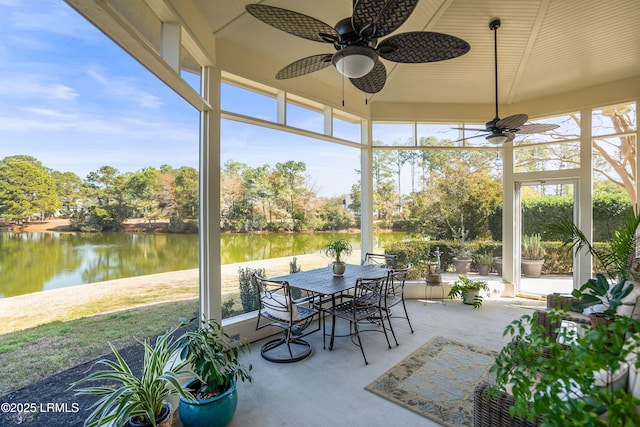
x=328 y=387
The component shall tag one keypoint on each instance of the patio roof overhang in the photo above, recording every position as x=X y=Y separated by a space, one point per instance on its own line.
x=556 y=56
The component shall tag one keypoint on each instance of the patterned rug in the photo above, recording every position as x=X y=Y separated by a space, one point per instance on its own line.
x=438 y=380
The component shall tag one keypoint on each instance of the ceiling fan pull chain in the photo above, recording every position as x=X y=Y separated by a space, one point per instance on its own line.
x=343 y=90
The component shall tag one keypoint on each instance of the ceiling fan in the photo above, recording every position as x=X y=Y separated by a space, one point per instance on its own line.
x=504 y=130
x=355 y=39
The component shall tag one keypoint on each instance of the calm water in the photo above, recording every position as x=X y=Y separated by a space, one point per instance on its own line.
x=33 y=262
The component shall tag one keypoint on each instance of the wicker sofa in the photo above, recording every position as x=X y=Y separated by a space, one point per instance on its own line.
x=494 y=411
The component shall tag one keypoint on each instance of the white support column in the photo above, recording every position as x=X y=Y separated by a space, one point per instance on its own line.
x=281 y=105
x=510 y=206
x=366 y=182
x=583 y=213
x=328 y=121
x=210 y=277
x=170 y=44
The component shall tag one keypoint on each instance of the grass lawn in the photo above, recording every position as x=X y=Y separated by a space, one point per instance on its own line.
x=31 y=354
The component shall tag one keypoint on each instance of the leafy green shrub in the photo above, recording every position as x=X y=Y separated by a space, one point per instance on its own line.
x=249 y=292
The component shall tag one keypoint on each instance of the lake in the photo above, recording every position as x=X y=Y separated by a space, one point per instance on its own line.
x=33 y=262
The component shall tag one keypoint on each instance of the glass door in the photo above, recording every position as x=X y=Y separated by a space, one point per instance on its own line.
x=543 y=268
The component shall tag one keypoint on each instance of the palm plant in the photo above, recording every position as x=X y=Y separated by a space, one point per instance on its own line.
x=617 y=257
x=336 y=248
x=140 y=399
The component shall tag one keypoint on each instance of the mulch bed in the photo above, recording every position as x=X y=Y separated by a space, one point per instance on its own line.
x=55 y=403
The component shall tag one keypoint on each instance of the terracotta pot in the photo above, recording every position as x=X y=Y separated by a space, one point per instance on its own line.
x=483 y=269
x=532 y=267
x=462 y=264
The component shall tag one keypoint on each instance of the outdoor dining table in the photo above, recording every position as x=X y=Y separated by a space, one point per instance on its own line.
x=322 y=283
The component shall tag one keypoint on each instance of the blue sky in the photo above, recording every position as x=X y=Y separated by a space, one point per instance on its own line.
x=73 y=99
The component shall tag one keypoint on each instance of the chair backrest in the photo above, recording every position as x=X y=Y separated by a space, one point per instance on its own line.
x=397 y=278
x=275 y=299
x=370 y=291
x=386 y=260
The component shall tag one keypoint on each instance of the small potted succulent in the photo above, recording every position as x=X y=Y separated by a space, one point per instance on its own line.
x=336 y=249
x=469 y=290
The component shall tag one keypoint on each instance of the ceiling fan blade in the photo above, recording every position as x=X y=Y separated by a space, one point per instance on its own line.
x=536 y=128
x=422 y=46
x=472 y=129
x=374 y=81
x=293 y=22
x=470 y=137
x=512 y=122
x=305 y=66
x=377 y=18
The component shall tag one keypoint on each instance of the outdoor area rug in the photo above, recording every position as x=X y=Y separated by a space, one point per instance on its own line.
x=438 y=380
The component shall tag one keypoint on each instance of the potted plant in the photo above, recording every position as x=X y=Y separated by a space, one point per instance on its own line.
x=213 y=356
x=336 y=249
x=462 y=259
x=603 y=297
x=617 y=256
x=532 y=255
x=484 y=262
x=469 y=290
x=550 y=382
x=126 y=399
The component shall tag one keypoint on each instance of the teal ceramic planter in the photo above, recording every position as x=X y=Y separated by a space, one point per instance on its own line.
x=214 y=412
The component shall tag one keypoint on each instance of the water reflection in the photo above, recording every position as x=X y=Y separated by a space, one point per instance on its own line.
x=32 y=262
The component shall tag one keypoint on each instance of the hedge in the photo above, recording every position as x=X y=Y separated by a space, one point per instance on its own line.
x=558 y=259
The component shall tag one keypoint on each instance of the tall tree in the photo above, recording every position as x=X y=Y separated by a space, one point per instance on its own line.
x=26 y=189
x=292 y=181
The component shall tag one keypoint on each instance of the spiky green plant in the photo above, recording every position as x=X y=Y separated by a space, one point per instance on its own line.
x=617 y=257
x=599 y=291
x=124 y=396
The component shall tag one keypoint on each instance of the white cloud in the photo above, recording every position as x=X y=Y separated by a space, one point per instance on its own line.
x=35 y=85
x=124 y=88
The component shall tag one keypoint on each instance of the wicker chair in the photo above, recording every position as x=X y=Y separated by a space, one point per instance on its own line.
x=493 y=411
x=560 y=302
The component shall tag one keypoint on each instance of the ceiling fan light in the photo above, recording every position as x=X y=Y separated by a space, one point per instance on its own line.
x=497 y=139
x=355 y=61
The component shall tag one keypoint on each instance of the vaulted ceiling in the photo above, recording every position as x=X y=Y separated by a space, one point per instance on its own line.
x=548 y=50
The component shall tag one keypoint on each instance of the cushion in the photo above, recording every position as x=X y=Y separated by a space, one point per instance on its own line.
x=633 y=385
x=604 y=377
x=276 y=305
x=628 y=310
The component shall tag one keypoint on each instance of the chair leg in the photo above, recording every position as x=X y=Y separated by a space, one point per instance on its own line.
x=357 y=331
x=406 y=314
x=392 y=331
x=333 y=332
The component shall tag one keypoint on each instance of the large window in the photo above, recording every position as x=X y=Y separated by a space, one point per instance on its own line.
x=614 y=147
x=549 y=151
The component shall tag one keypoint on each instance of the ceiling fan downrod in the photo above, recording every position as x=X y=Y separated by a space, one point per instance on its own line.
x=494 y=25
